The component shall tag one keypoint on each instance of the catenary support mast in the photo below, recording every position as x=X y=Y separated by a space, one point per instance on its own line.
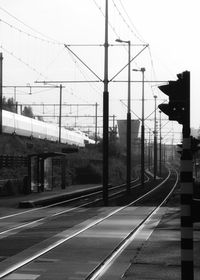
x=105 y=111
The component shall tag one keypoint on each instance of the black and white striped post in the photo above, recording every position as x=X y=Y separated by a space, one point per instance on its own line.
x=186 y=176
x=178 y=109
x=186 y=179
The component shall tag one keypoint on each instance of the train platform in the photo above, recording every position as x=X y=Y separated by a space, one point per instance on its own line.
x=43 y=198
x=155 y=253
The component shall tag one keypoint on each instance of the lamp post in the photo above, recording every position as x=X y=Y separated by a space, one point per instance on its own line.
x=142 y=70
x=128 y=129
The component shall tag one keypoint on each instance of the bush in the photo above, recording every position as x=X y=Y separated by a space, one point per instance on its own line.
x=88 y=175
x=117 y=172
x=9 y=188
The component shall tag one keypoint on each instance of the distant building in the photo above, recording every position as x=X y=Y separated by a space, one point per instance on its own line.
x=135 y=124
x=195 y=132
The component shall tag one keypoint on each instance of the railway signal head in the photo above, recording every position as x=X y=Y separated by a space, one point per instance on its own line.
x=178 y=108
x=195 y=146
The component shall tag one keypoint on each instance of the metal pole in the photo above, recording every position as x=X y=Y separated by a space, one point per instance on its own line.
x=155 y=141
x=149 y=150
x=186 y=178
x=113 y=123
x=60 y=114
x=128 y=121
x=160 y=150
x=1 y=85
x=128 y=138
x=15 y=101
x=142 y=130
x=105 y=112
x=172 y=150
x=164 y=154
x=96 y=105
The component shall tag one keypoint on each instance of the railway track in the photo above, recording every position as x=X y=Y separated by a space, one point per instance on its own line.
x=16 y=222
x=48 y=229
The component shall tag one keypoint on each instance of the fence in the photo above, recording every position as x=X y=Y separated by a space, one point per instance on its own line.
x=12 y=161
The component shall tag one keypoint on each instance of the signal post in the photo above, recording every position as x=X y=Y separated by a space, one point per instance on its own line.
x=178 y=109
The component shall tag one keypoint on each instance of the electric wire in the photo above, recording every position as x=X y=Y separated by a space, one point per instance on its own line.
x=22 y=61
x=136 y=31
x=31 y=28
x=83 y=74
x=52 y=61
x=109 y=23
x=126 y=23
x=28 y=34
x=54 y=42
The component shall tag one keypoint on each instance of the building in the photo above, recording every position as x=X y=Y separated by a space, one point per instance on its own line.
x=122 y=126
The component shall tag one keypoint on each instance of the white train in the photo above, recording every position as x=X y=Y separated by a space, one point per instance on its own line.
x=17 y=124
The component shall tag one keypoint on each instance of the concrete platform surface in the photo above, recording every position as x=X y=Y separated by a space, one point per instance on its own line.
x=157 y=256
x=38 y=198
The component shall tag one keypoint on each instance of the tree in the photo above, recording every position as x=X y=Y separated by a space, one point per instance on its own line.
x=8 y=104
x=40 y=118
x=28 y=112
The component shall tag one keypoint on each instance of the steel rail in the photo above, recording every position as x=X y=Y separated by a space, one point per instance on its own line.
x=93 y=192
x=13 y=266
x=128 y=239
x=22 y=226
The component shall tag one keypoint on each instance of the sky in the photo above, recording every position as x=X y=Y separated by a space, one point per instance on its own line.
x=33 y=34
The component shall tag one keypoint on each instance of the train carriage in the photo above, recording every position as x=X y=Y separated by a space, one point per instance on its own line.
x=17 y=124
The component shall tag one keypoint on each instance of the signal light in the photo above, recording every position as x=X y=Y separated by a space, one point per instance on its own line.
x=178 y=108
x=195 y=146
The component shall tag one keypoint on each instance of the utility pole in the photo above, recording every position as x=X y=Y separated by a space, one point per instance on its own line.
x=149 y=150
x=142 y=130
x=60 y=114
x=142 y=70
x=155 y=141
x=129 y=150
x=172 y=149
x=164 y=154
x=15 y=99
x=1 y=86
x=128 y=121
x=160 y=150
x=113 y=122
x=105 y=112
x=96 y=106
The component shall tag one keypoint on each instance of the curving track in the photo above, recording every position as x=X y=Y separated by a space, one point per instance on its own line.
x=60 y=239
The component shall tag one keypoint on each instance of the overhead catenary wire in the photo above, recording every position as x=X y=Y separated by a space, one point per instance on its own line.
x=28 y=34
x=83 y=74
x=125 y=22
x=22 y=61
x=136 y=31
x=109 y=23
x=28 y=26
x=53 y=60
x=135 y=34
